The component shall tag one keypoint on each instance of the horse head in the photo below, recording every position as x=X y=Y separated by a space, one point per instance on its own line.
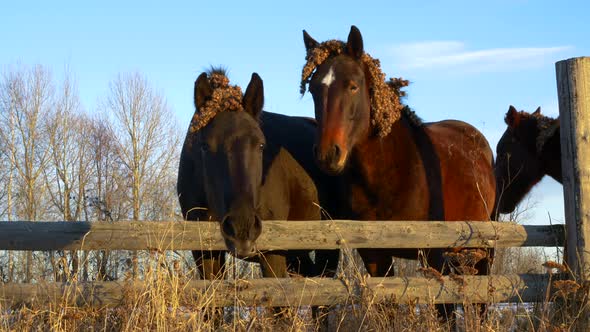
x=340 y=90
x=518 y=166
x=230 y=144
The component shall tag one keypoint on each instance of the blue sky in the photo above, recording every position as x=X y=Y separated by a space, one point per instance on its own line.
x=467 y=60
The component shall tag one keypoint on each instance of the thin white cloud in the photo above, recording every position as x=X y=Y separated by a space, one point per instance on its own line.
x=454 y=54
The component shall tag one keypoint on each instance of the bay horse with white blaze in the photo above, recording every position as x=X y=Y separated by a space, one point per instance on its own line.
x=529 y=149
x=231 y=172
x=396 y=167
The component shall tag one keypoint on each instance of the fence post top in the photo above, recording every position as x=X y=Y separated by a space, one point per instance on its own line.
x=578 y=58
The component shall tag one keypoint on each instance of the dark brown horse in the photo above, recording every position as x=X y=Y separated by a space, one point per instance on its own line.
x=396 y=167
x=528 y=150
x=230 y=172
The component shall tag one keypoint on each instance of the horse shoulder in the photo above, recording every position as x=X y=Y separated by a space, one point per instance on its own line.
x=303 y=193
x=274 y=193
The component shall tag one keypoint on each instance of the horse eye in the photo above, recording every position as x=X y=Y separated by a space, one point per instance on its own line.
x=261 y=146
x=354 y=88
x=204 y=147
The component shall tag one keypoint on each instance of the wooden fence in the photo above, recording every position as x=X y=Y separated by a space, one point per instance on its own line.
x=573 y=81
x=278 y=235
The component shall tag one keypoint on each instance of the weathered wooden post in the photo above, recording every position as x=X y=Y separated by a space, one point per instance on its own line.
x=573 y=87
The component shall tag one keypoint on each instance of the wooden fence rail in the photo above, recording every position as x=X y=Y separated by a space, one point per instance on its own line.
x=292 y=292
x=333 y=234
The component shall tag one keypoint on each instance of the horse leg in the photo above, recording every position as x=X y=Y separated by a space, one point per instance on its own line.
x=326 y=262
x=484 y=267
x=274 y=265
x=300 y=262
x=436 y=260
x=377 y=262
x=211 y=265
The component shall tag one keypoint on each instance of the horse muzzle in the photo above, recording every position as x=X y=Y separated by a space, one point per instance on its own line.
x=240 y=234
x=241 y=249
x=331 y=160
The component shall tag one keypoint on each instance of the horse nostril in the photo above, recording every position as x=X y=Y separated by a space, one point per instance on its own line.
x=337 y=151
x=227 y=227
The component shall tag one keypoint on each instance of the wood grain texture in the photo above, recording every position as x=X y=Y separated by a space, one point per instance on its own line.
x=293 y=291
x=573 y=86
x=573 y=89
x=275 y=235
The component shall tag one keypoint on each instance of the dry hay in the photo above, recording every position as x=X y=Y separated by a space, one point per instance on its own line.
x=225 y=98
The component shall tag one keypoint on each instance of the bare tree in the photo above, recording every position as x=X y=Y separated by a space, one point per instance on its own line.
x=147 y=137
x=519 y=260
x=27 y=97
x=8 y=145
x=107 y=197
x=147 y=141
x=69 y=169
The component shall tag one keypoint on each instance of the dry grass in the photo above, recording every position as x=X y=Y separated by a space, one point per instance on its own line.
x=166 y=304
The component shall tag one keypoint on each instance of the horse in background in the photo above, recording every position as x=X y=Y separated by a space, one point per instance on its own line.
x=395 y=166
x=528 y=150
x=230 y=172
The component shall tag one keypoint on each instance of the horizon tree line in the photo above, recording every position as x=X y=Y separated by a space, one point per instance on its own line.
x=59 y=162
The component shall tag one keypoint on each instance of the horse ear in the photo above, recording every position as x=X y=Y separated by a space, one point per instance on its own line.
x=537 y=111
x=203 y=91
x=254 y=97
x=309 y=41
x=512 y=117
x=354 y=45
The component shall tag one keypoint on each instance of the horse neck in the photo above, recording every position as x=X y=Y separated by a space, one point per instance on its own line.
x=551 y=157
x=510 y=195
x=376 y=156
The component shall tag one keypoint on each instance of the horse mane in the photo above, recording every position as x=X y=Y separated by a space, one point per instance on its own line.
x=386 y=107
x=407 y=113
x=547 y=128
x=217 y=70
x=413 y=119
x=224 y=98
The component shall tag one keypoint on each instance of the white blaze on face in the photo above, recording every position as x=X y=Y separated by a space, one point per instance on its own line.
x=329 y=78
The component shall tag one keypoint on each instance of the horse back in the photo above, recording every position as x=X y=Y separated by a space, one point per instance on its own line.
x=466 y=163
x=288 y=192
